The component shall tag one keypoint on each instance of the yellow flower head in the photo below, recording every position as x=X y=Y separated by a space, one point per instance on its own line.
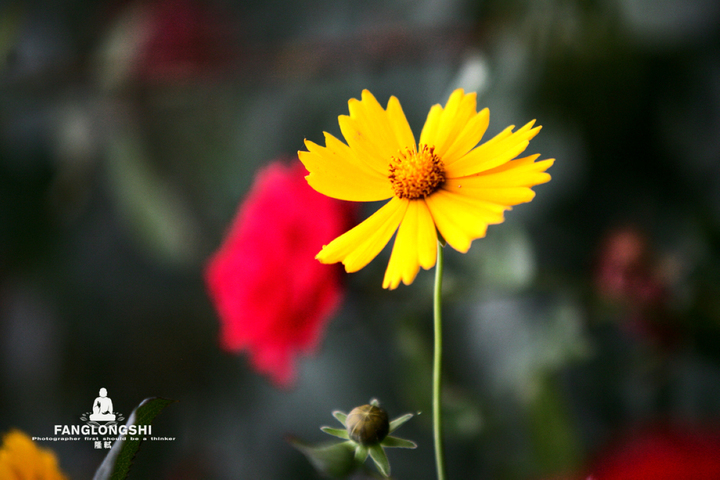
x=21 y=459
x=445 y=183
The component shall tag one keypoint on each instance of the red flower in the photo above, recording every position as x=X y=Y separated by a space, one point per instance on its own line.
x=273 y=298
x=662 y=454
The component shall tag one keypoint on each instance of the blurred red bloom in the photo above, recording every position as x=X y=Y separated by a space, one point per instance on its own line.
x=630 y=274
x=662 y=454
x=624 y=270
x=184 y=39
x=273 y=298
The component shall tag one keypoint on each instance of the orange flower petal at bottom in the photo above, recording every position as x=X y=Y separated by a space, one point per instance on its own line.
x=21 y=459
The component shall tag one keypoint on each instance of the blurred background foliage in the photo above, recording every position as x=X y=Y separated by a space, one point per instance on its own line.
x=130 y=130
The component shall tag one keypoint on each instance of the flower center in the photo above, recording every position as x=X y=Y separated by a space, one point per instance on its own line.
x=416 y=174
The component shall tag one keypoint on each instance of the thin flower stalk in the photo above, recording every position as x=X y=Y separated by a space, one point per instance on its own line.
x=437 y=367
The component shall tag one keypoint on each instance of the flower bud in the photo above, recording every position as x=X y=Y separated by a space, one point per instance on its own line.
x=368 y=424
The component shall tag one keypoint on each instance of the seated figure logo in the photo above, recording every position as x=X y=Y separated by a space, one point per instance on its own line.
x=101 y=426
x=102 y=411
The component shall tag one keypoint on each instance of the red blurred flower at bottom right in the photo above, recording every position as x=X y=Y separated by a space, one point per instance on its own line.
x=661 y=453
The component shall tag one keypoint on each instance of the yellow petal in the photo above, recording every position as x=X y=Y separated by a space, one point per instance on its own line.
x=501 y=195
x=336 y=172
x=358 y=246
x=462 y=218
x=522 y=172
x=368 y=130
x=455 y=116
x=440 y=132
x=375 y=156
x=400 y=126
x=339 y=149
x=415 y=246
x=469 y=137
x=497 y=151
x=432 y=121
x=375 y=122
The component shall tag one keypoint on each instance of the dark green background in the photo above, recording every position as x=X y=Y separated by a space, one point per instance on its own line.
x=116 y=185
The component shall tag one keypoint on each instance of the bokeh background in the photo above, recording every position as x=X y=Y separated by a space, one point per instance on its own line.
x=130 y=131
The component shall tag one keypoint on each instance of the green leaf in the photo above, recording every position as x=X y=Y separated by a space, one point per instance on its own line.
x=118 y=461
x=342 y=417
x=332 y=459
x=338 y=432
x=395 y=424
x=395 y=442
x=378 y=455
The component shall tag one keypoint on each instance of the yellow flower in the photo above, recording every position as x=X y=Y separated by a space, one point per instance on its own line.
x=21 y=459
x=445 y=183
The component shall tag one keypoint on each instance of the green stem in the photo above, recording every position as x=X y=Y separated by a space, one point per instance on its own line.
x=437 y=362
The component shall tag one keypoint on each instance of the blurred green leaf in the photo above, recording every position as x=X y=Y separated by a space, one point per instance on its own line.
x=155 y=212
x=554 y=436
x=118 y=461
x=10 y=23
